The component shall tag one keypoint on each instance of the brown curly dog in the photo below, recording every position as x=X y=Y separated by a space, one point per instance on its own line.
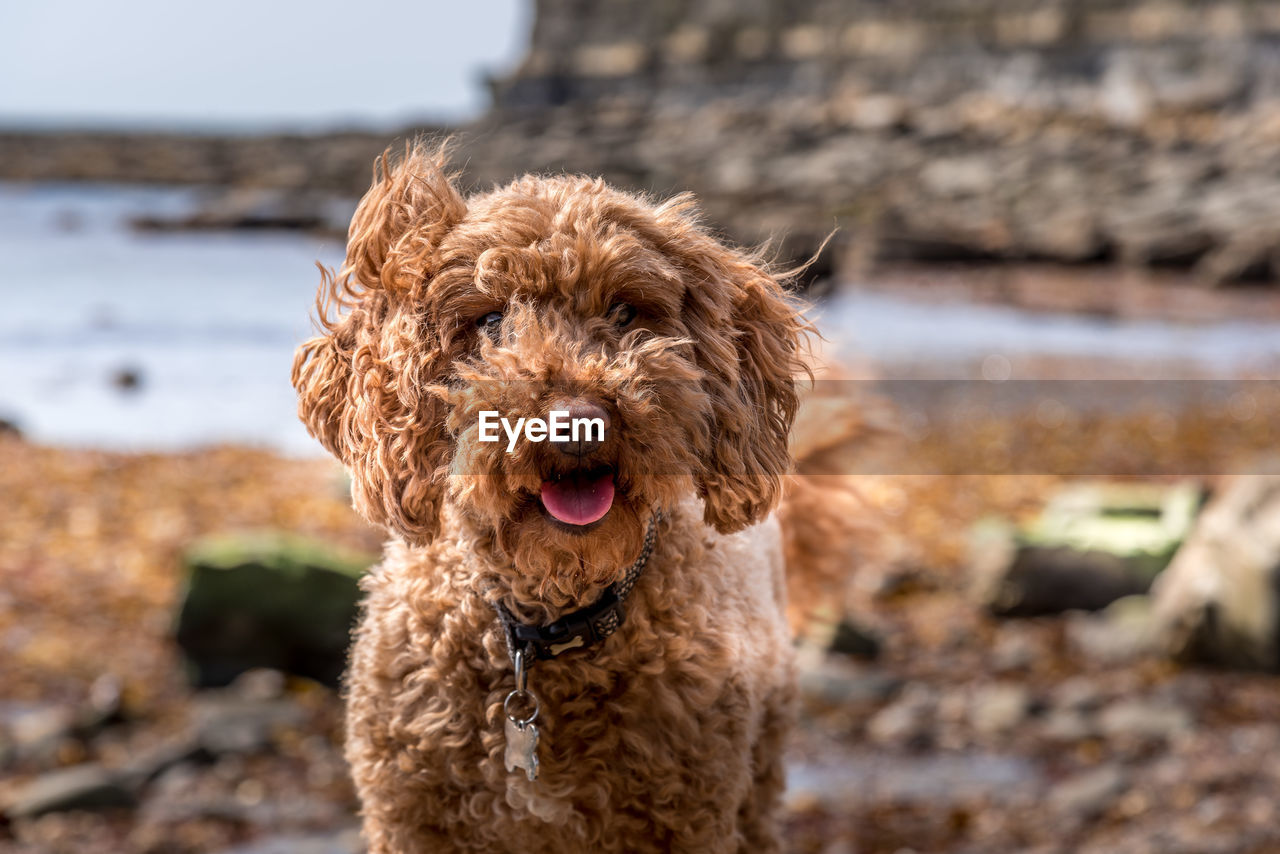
x=663 y=680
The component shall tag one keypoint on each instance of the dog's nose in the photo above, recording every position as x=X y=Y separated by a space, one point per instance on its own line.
x=588 y=426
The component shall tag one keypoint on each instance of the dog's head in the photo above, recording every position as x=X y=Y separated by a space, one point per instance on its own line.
x=550 y=294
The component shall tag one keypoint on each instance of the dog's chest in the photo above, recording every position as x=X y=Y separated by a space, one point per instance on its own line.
x=610 y=742
x=627 y=710
x=624 y=727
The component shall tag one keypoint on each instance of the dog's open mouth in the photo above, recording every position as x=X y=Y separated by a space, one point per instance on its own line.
x=579 y=497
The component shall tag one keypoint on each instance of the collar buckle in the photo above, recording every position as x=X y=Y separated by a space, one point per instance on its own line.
x=583 y=628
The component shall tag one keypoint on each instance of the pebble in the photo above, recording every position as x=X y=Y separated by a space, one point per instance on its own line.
x=908 y=720
x=840 y=683
x=1144 y=719
x=346 y=841
x=80 y=787
x=1087 y=795
x=999 y=708
x=226 y=722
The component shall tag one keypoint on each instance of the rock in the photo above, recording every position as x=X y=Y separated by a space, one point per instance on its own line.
x=1092 y=545
x=258 y=209
x=1067 y=725
x=268 y=600
x=999 y=708
x=345 y=841
x=224 y=722
x=1052 y=579
x=34 y=732
x=1013 y=651
x=1219 y=600
x=960 y=176
x=127 y=379
x=1124 y=97
x=908 y=720
x=1144 y=719
x=1079 y=693
x=1248 y=255
x=80 y=787
x=30 y=731
x=1121 y=632
x=105 y=702
x=1088 y=795
x=877 y=112
x=840 y=683
x=854 y=641
x=259 y=684
x=153 y=762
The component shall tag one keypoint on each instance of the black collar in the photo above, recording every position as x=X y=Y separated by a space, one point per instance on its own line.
x=585 y=627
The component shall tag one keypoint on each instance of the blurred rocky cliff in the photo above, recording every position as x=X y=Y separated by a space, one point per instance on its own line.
x=926 y=130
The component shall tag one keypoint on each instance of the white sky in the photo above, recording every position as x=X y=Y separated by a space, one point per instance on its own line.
x=251 y=63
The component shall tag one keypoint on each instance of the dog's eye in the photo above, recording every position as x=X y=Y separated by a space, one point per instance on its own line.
x=622 y=313
x=490 y=323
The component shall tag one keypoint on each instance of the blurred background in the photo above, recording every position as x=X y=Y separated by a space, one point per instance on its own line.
x=1051 y=373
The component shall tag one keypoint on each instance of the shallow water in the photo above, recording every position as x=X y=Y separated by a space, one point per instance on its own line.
x=851 y=777
x=945 y=336
x=209 y=323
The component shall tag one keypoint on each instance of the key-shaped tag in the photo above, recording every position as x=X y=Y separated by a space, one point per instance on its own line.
x=522 y=747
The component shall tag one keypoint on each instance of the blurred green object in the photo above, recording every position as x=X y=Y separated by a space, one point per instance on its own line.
x=1140 y=522
x=268 y=600
x=1093 y=544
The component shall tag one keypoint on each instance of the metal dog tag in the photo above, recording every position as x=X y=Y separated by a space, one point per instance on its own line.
x=522 y=747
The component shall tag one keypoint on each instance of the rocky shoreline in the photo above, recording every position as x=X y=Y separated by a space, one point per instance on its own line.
x=1131 y=135
x=933 y=725
x=928 y=722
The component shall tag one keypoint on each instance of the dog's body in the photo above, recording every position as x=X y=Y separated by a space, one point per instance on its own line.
x=561 y=293
x=666 y=738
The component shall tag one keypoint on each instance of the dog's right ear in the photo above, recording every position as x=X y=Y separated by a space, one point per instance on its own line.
x=361 y=383
x=322 y=372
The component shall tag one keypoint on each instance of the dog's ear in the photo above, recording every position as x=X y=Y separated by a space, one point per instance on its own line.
x=749 y=342
x=322 y=377
x=364 y=385
x=397 y=226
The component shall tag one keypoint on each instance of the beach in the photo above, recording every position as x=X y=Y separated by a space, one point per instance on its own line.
x=949 y=733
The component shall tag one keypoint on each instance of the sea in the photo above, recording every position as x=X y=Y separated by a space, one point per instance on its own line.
x=116 y=338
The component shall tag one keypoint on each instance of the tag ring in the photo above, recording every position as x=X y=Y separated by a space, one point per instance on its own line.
x=522 y=691
x=522 y=722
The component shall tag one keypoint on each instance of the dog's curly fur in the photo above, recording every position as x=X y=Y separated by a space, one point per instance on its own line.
x=668 y=736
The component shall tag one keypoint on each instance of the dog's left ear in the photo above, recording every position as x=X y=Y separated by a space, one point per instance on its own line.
x=397 y=226
x=749 y=342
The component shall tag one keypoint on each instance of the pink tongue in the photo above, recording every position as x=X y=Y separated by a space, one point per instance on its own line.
x=578 y=501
